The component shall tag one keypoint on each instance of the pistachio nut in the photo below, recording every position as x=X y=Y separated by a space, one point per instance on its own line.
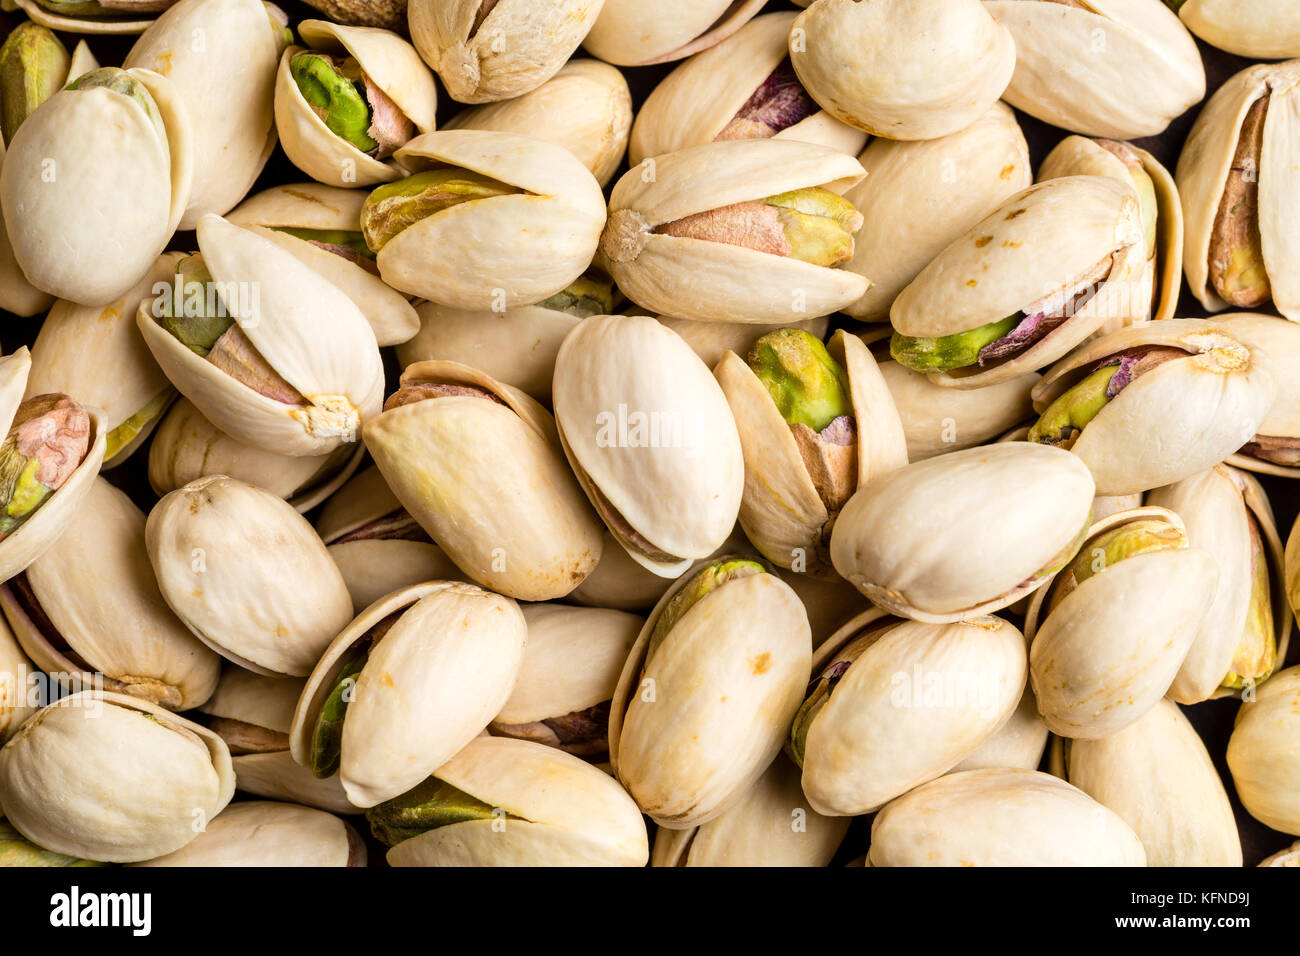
x=247 y=575
x=946 y=63
x=1150 y=405
x=485 y=220
x=17 y=674
x=570 y=670
x=712 y=340
x=1292 y=567
x=1243 y=636
x=132 y=779
x=271 y=353
x=265 y=833
x=128 y=125
x=963 y=534
x=708 y=691
x=478 y=465
x=16 y=851
x=1018 y=744
x=815 y=425
x=630 y=33
x=771 y=825
x=743 y=88
x=1111 y=630
x=895 y=703
x=1120 y=70
x=93 y=16
x=740 y=231
x=1262 y=753
x=1001 y=817
x=90 y=605
x=405 y=686
x=1261 y=29
x=586 y=107
x=389 y=14
x=648 y=433
x=1274 y=449
x=351 y=98
x=1288 y=857
x=1158 y=776
x=619 y=581
x=502 y=802
x=1029 y=282
x=490 y=50
x=1242 y=245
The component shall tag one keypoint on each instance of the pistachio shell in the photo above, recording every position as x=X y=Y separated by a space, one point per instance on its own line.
x=16 y=675
x=629 y=33
x=1288 y=857
x=263 y=833
x=1260 y=29
x=82 y=24
x=1276 y=343
x=17 y=295
x=712 y=340
x=1017 y=745
x=1262 y=753
x=619 y=581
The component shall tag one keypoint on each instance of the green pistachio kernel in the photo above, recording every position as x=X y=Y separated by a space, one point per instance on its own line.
x=186 y=315
x=1256 y=654
x=17 y=851
x=1141 y=536
x=1061 y=423
x=327 y=734
x=33 y=66
x=396 y=206
x=592 y=293
x=47 y=441
x=948 y=351
x=706 y=580
x=427 y=806
x=335 y=92
x=347 y=238
x=807 y=385
x=125 y=433
x=818 y=224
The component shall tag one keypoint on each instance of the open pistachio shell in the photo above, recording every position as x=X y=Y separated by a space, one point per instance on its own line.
x=17 y=673
x=1275 y=447
x=133 y=779
x=1018 y=744
x=1157 y=775
x=697 y=718
x=247 y=575
x=712 y=340
x=963 y=534
x=264 y=833
x=432 y=682
x=1262 y=753
x=619 y=581
x=1227 y=514
x=125 y=20
x=727 y=92
x=771 y=825
x=1231 y=153
x=1260 y=29
x=906 y=708
x=548 y=808
x=98 y=609
x=1103 y=653
x=648 y=433
x=629 y=33
x=946 y=63
x=79 y=137
x=586 y=107
x=388 y=62
x=308 y=331
x=507 y=250
x=1116 y=68
x=1175 y=419
x=1001 y=817
x=717 y=281
x=482 y=473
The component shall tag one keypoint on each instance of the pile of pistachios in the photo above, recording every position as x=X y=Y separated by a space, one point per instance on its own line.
x=600 y=432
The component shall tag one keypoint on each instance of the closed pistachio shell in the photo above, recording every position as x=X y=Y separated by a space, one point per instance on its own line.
x=17 y=295
x=998 y=817
x=628 y=33
x=712 y=340
x=1017 y=745
x=264 y=833
x=128 y=21
x=1261 y=29
x=16 y=677
x=1276 y=343
x=1262 y=753
x=619 y=581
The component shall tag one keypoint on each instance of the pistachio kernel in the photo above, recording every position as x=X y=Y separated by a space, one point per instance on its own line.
x=779 y=103
x=1256 y=654
x=427 y=806
x=15 y=850
x=583 y=733
x=947 y=351
x=1142 y=536
x=704 y=582
x=350 y=244
x=104 y=9
x=396 y=206
x=1237 y=270
x=127 y=431
x=326 y=752
x=33 y=67
x=592 y=293
x=47 y=441
x=337 y=94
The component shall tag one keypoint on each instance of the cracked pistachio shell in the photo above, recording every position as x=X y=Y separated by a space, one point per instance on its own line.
x=97 y=589
x=1217 y=507
x=1155 y=289
x=1018 y=744
x=314 y=206
x=938 y=420
x=1105 y=654
x=1288 y=857
x=487 y=481
x=693 y=104
x=389 y=14
x=712 y=340
x=392 y=65
x=1262 y=754
x=265 y=833
x=16 y=698
x=1157 y=775
x=619 y=581
x=781 y=511
x=435 y=680
x=516 y=48
x=84 y=138
x=132 y=779
x=186 y=447
x=1206 y=162
x=632 y=33
x=96 y=354
x=965 y=533
x=716 y=281
x=1117 y=68
x=247 y=575
x=554 y=810
x=920 y=196
x=127 y=21
x=692 y=728
x=771 y=825
x=1038 y=242
x=647 y=429
x=946 y=63
x=883 y=729
x=1180 y=418
x=305 y=328
x=1260 y=29
x=586 y=107
x=1276 y=343
x=1001 y=817
x=229 y=110
x=505 y=251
